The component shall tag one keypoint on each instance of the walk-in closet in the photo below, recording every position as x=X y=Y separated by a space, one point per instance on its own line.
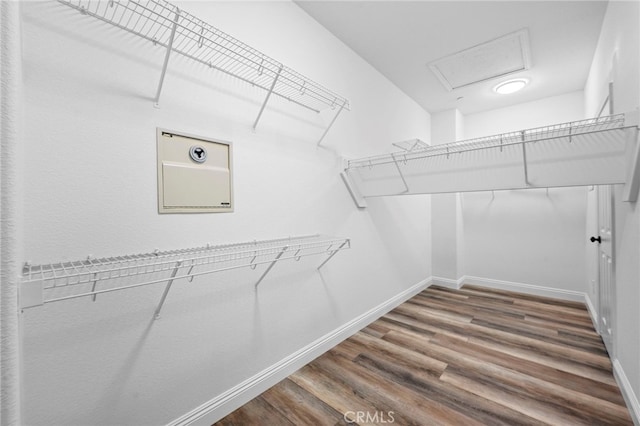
x=305 y=212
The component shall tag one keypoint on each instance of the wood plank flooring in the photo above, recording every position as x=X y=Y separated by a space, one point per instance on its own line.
x=473 y=356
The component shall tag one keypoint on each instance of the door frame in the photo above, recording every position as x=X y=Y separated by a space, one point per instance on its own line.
x=594 y=270
x=606 y=288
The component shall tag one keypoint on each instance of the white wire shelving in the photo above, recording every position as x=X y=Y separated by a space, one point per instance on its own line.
x=586 y=152
x=411 y=145
x=55 y=282
x=500 y=141
x=164 y=24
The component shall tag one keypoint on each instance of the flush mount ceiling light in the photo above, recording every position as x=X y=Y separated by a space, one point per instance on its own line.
x=511 y=86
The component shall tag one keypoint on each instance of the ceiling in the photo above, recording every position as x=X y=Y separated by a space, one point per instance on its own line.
x=401 y=38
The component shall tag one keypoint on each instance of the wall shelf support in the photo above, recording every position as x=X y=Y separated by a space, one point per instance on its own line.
x=166 y=57
x=361 y=203
x=264 y=274
x=632 y=185
x=333 y=253
x=404 y=181
x=93 y=286
x=524 y=159
x=156 y=314
x=266 y=99
x=335 y=117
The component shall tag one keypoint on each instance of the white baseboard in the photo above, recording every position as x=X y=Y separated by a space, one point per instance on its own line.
x=630 y=398
x=218 y=407
x=593 y=313
x=448 y=282
x=534 y=290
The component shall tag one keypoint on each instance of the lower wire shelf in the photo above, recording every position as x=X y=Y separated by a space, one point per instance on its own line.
x=54 y=282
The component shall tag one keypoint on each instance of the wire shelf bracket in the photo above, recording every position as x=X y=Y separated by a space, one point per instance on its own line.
x=411 y=145
x=48 y=283
x=404 y=181
x=266 y=99
x=156 y=314
x=357 y=197
x=335 y=117
x=165 y=64
x=596 y=151
x=632 y=184
x=333 y=253
x=164 y=24
x=264 y=274
x=524 y=156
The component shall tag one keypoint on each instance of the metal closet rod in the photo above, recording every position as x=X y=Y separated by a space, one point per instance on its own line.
x=500 y=141
x=41 y=280
x=166 y=25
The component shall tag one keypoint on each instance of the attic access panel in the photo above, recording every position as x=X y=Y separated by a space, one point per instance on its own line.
x=194 y=174
x=499 y=57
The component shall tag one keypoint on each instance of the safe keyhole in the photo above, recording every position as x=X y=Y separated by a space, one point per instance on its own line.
x=198 y=154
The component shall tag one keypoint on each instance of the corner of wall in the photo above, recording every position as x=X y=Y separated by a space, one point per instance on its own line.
x=10 y=209
x=593 y=313
x=630 y=398
x=235 y=397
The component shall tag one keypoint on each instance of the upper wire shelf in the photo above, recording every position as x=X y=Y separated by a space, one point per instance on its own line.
x=411 y=145
x=55 y=282
x=596 y=151
x=500 y=141
x=164 y=24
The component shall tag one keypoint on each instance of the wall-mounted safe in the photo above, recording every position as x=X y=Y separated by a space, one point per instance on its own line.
x=194 y=174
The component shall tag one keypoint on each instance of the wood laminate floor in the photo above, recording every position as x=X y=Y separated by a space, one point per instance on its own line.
x=473 y=356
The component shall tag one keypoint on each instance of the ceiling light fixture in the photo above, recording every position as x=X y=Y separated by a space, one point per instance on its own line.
x=511 y=86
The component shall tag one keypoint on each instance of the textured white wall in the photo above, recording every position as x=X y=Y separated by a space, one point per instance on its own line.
x=527 y=236
x=11 y=223
x=91 y=189
x=556 y=109
x=446 y=127
x=620 y=38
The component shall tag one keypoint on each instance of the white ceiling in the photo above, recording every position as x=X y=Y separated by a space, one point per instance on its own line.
x=399 y=38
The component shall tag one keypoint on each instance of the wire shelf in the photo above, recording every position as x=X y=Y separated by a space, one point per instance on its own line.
x=164 y=24
x=411 y=145
x=597 y=151
x=54 y=282
x=500 y=141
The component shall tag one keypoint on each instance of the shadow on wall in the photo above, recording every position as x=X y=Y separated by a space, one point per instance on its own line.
x=398 y=221
x=115 y=389
x=115 y=43
x=531 y=236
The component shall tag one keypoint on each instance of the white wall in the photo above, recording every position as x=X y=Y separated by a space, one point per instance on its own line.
x=617 y=58
x=90 y=188
x=529 y=236
x=531 y=240
x=11 y=191
x=556 y=109
x=446 y=126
